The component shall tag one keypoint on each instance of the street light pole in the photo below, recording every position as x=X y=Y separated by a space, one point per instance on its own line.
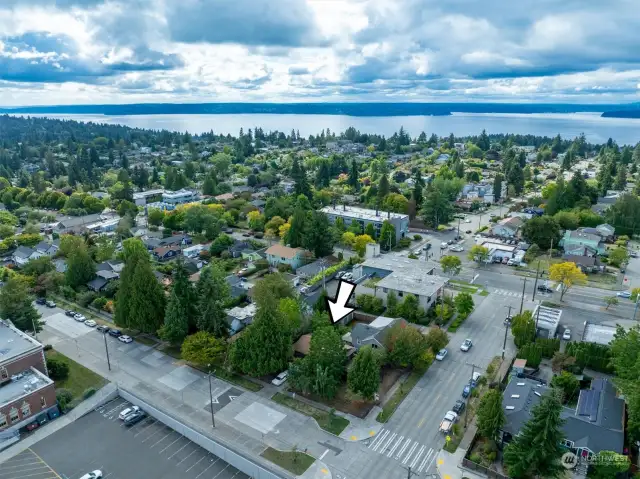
x=524 y=284
x=213 y=420
x=535 y=284
x=104 y=335
x=506 y=331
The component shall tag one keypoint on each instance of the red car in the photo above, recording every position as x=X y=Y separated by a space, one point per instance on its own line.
x=32 y=426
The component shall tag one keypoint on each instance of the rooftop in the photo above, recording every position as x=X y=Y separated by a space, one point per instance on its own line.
x=283 y=251
x=392 y=262
x=548 y=318
x=598 y=333
x=23 y=384
x=354 y=212
x=581 y=236
x=243 y=313
x=144 y=194
x=417 y=282
x=182 y=192
x=14 y=343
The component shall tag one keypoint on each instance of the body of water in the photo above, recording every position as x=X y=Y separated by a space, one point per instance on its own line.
x=568 y=125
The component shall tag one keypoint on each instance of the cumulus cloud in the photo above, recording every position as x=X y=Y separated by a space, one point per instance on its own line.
x=550 y=50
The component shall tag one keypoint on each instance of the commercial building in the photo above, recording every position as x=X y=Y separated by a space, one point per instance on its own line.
x=26 y=392
x=547 y=321
x=141 y=198
x=179 y=197
x=366 y=216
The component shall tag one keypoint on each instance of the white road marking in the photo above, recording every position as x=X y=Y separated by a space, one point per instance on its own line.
x=417 y=458
x=180 y=437
x=402 y=449
x=410 y=453
x=158 y=442
x=186 y=457
x=474 y=278
x=393 y=436
x=324 y=454
x=430 y=463
x=206 y=469
x=424 y=461
x=149 y=424
x=378 y=440
x=395 y=446
x=225 y=468
x=194 y=465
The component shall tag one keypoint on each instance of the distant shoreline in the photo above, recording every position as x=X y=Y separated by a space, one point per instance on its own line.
x=346 y=109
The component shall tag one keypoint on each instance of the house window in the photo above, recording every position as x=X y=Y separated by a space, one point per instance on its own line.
x=3 y=421
x=26 y=409
x=384 y=290
x=400 y=293
x=13 y=414
x=567 y=443
x=4 y=374
x=43 y=401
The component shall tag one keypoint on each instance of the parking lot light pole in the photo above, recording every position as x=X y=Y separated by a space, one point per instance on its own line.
x=213 y=420
x=104 y=335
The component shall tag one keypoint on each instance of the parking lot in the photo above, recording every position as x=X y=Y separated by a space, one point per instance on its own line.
x=99 y=440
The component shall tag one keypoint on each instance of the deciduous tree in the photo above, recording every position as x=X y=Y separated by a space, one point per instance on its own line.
x=80 y=267
x=523 y=327
x=542 y=230
x=451 y=265
x=567 y=274
x=478 y=253
x=567 y=384
x=464 y=303
x=203 y=348
x=16 y=306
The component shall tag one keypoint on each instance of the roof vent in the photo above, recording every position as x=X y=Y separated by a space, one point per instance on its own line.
x=510 y=408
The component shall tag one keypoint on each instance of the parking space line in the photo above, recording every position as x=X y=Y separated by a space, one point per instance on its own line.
x=188 y=442
x=159 y=429
x=158 y=442
x=192 y=452
x=208 y=467
x=194 y=465
x=41 y=460
x=237 y=472
x=179 y=437
x=151 y=423
x=21 y=465
x=31 y=475
x=225 y=468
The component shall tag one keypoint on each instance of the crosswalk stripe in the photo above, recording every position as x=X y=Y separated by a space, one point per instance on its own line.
x=417 y=458
x=424 y=461
x=408 y=456
x=381 y=439
x=395 y=446
x=393 y=436
x=402 y=449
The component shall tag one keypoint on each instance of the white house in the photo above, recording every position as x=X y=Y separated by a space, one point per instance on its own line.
x=22 y=255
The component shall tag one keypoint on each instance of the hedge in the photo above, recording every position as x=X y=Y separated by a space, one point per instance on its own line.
x=327 y=272
x=457 y=322
x=370 y=304
x=591 y=355
x=549 y=346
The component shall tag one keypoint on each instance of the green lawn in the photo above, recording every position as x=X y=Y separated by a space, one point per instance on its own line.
x=329 y=422
x=80 y=378
x=294 y=461
x=402 y=392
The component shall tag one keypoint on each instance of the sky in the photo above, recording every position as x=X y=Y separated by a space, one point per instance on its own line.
x=56 y=52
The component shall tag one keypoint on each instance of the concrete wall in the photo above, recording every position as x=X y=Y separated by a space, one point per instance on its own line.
x=237 y=460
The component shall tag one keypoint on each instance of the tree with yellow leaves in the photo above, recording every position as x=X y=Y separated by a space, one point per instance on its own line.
x=361 y=242
x=566 y=274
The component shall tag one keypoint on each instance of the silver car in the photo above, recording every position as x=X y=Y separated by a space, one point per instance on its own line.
x=441 y=354
x=466 y=346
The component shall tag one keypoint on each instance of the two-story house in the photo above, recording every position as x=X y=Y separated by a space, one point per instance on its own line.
x=280 y=254
x=575 y=242
x=508 y=227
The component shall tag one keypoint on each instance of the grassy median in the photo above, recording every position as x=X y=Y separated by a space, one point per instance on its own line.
x=329 y=422
x=293 y=461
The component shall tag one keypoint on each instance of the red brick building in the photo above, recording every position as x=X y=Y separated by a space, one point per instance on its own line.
x=26 y=392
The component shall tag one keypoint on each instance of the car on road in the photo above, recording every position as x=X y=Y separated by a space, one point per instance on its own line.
x=633 y=254
x=125 y=339
x=467 y=220
x=507 y=321
x=456 y=248
x=116 y=333
x=246 y=235
x=69 y=312
x=623 y=294
x=103 y=329
x=543 y=288
x=127 y=412
x=41 y=301
x=280 y=379
x=427 y=247
x=459 y=406
x=97 y=474
x=443 y=245
x=91 y=323
x=466 y=345
x=566 y=335
x=468 y=232
x=50 y=304
x=79 y=317
x=442 y=354
x=134 y=418
x=228 y=231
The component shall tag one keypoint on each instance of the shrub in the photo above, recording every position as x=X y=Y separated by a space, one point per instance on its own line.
x=328 y=272
x=370 y=304
x=88 y=393
x=404 y=242
x=108 y=307
x=417 y=237
x=284 y=268
x=64 y=398
x=412 y=256
x=47 y=347
x=84 y=299
x=99 y=302
x=58 y=369
x=475 y=457
x=68 y=292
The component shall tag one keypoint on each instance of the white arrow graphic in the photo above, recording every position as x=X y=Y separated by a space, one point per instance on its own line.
x=338 y=308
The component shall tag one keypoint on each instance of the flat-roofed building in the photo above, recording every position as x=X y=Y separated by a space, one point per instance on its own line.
x=179 y=197
x=365 y=216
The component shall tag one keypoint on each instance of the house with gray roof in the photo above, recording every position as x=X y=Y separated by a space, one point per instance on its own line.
x=595 y=424
x=22 y=255
x=373 y=334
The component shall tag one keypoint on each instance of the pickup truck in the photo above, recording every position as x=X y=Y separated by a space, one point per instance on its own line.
x=447 y=423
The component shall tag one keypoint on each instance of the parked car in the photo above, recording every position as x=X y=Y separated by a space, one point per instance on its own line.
x=456 y=248
x=441 y=354
x=125 y=339
x=70 y=313
x=467 y=220
x=103 y=329
x=128 y=411
x=280 y=379
x=347 y=276
x=427 y=247
x=448 y=421
x=512 y=262
x=466 y=391
x=566 y=335
x=91 y=323
x=115 y=332
x=97 y=474
x=466 y=345
x=79 y=317
x=304 y=289
x=623 y=294
x=228 y=231
x=32 y=426
x=468 y=232
x=543 y=288
x=505 y=260
x=50 y=304
x=459 y=406
x=507 y=321
x=134 y=418
x=41 y=301
x=340 y=274
x=443 y=245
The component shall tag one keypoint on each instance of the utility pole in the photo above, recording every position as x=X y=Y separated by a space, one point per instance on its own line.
x=458 y=227
x=473 y=370
x=410 y=472
x=506 y=331
x=524 y=284
x=213 y=421
x=535 y=332
x=104 y=335
x=535 y=284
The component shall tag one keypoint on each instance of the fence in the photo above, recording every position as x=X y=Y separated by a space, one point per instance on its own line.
x=237 y=460
x=484 y=470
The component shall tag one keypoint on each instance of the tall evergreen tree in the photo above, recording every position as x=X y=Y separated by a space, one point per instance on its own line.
x=80 y=267
x=213 y=294
x=497 y=187
x=317 y=235
x=364 y=374
x=383 y=187
x=140 y=299
x=490 y=415
x=180 y=315
x=536 y=451
x=299 y=176
x=296 y=234
x=354 y=180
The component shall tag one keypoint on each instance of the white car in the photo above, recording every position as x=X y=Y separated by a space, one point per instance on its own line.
x=466 y=346
x=441 y=354
x=97 y=474
x=91 y=323
x=80 y=318
x=126 y=412
x=125 y=339
x=280 y=379
x=623 y=294
x=347 y=276
x=456 y=248
x=339 y=274
x=566 y=335
x=467 y=220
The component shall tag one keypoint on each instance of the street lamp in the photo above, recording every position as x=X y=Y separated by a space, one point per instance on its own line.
x=213 y=420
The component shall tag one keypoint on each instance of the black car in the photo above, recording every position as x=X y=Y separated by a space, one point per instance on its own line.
x=134 y=418
x=544 y=289
x=41 y=301
x=115 y=333
x=69 y=312
x=103 y=329
x=459 y=406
